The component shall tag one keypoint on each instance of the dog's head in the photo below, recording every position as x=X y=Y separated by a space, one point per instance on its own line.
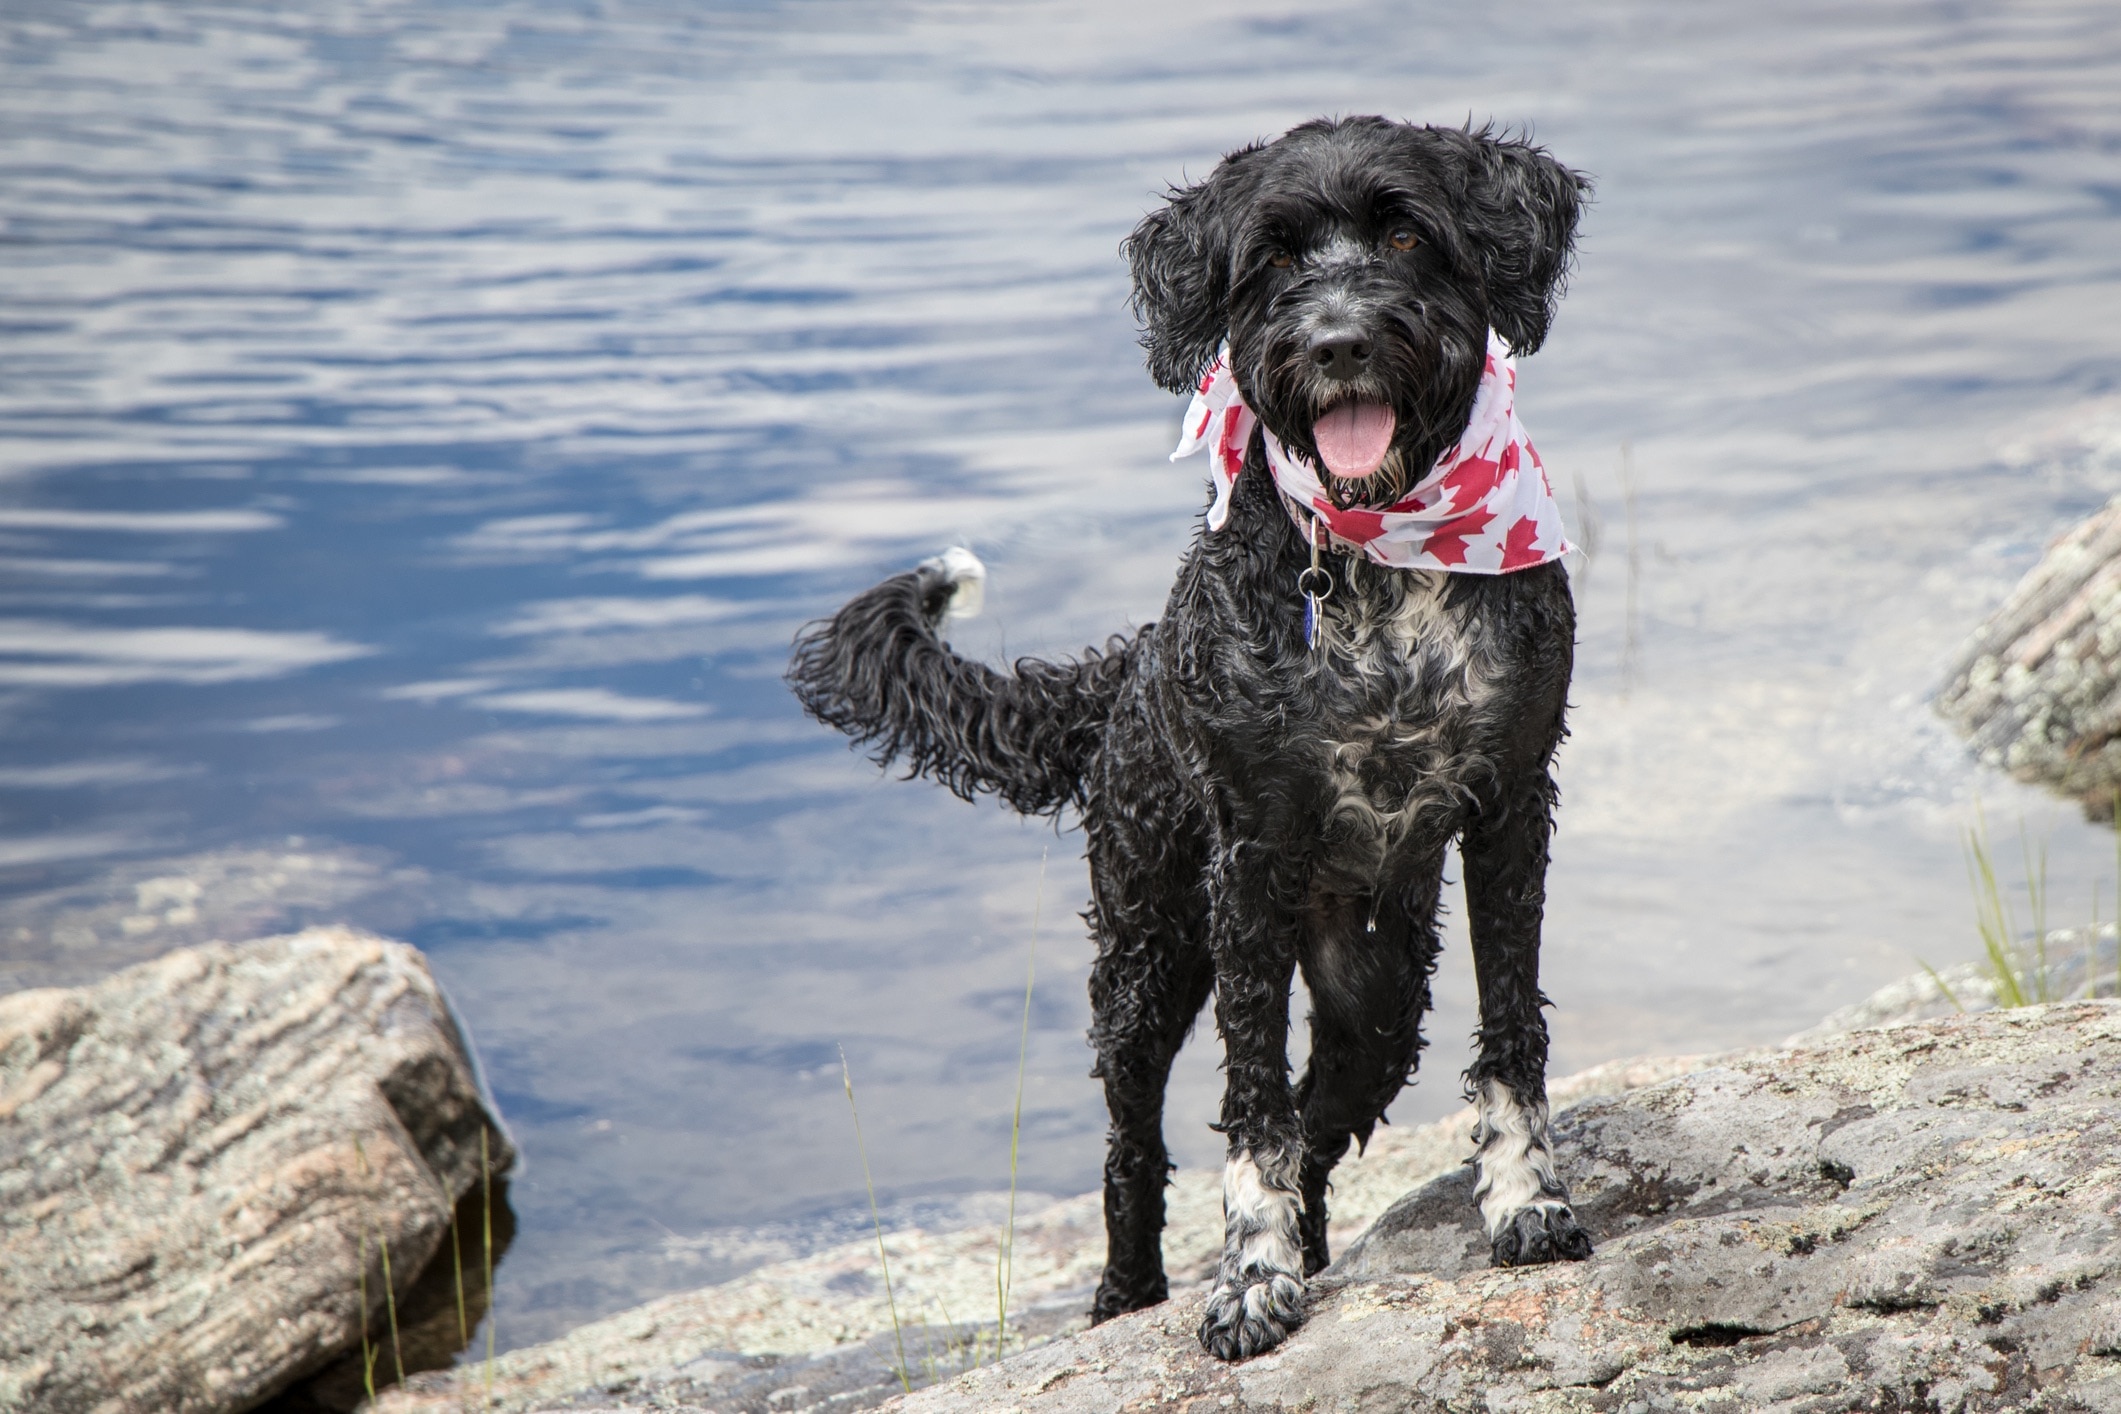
x=1355 y=267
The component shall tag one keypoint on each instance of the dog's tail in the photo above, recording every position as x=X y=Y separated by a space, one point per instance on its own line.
x=878 y=671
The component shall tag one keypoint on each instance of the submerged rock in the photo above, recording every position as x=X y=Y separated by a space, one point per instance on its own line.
x=205 y=1159
x=1914 y=1218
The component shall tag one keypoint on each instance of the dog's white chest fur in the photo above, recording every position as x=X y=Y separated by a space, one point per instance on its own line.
x=1387 y=622
x=1415 y=676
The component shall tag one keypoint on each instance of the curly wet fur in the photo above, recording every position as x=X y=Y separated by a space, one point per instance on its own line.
x=878 y=672
x=1254 y=807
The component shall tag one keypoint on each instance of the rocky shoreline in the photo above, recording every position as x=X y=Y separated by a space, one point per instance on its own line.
x=1914 y=1218
x=204 y=1159
x=799 y=1311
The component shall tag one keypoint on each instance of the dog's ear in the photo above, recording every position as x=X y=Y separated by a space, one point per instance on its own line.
x=1180 y=259
x=1523 y=207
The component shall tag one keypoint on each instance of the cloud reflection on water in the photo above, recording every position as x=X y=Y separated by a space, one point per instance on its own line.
x=38 y=653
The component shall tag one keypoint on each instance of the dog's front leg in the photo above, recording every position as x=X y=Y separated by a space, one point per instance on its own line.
x=1258 y=1296
x=1524 y=1205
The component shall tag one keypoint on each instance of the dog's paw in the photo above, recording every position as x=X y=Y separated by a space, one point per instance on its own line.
x=1116 y=1295
x=1543 y=1232
x=1244 y=1321
x=956 y=584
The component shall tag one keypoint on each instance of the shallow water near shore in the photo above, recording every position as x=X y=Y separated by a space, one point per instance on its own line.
x=423 y=427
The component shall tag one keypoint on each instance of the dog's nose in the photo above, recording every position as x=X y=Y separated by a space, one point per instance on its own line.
x=1340 y=356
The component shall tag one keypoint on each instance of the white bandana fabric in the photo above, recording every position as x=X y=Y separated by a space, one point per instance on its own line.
x=1486 y=507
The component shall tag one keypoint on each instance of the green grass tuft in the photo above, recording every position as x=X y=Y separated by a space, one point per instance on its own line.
x=369 y=1354
x=1992 y=916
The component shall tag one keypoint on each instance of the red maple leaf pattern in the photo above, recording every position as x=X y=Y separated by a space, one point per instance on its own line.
x=1358 y=527
x=1471 y=482
x=1520 y=546
x=1448 y=544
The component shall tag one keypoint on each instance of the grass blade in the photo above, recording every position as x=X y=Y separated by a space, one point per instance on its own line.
x=390 y=1296
x=2036 y=900
x=1005 y=1255
x=390 y=1304
x=456 y=1262
x=1956 y=1004
x=368 y=1352
x=898 y=1335
x=493 y=1315
x=951 y=1344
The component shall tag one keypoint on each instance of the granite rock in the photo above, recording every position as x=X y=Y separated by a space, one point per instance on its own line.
x=2036 y=689
x=1915 y=1218
x=206 y=1158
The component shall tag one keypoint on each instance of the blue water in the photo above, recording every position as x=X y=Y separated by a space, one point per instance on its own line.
x=423 y=426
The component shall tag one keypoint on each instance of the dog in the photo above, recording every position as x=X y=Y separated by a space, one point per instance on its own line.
x=1347 y=678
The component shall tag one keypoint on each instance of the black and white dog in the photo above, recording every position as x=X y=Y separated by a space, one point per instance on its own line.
x=1353 y=670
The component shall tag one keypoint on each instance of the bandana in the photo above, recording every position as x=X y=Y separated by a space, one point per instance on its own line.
x=1486 y=507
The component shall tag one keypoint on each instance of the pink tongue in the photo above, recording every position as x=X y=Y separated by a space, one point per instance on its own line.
x=1354 y=437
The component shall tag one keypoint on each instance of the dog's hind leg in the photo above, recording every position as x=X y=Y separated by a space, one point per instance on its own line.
x=1369 y=991
x=1524 y=1205
x=1145 y=991
x=1253 y=929
x=1152 y=976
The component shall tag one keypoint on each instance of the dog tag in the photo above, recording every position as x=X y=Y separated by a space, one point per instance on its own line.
x=1316 y=586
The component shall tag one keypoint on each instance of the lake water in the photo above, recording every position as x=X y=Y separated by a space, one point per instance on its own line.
x=422 y=427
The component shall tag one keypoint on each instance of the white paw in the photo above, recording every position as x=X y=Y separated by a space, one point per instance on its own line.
x=1243 y=1321
x=1259 y=1294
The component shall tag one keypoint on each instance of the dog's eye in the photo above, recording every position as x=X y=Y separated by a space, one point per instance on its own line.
x=1280 y=260
x=1403 y=239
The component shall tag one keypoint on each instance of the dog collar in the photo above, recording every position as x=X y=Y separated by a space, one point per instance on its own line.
x=1485 y=508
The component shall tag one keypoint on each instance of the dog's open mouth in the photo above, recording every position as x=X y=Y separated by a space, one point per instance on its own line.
x=1354 y=438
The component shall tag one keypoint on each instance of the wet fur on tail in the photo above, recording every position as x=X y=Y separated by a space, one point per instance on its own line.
x=879 y=671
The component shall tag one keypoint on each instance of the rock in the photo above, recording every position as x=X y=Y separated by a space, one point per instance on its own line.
x=204 y=1157
x=1925 y=996
x=1919 y=1218
x=2070 y=964
x=2038 y=687
x=821 y=1322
